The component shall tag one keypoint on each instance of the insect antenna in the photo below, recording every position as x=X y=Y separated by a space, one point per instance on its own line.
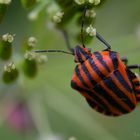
x=60 y=51
x=103 y=41
x=53 y=51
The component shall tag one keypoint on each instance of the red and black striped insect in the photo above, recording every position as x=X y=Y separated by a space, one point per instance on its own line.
x=107 y=84
x=104 y=79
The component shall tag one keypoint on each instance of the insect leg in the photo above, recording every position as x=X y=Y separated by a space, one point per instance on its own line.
x=135 y=80
x=134 y=66
x=124 y=59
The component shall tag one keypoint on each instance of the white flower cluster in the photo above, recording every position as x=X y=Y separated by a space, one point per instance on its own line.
x=91 y=31
x=9 y=67
x=32 y=41
x=41 y=59
x=55 y=13
x=80 y=2
x=33 y=15
x=95 y=2
x=30 y=55
x=90 y=13
x=8 y=38
x=57 y=18
x=5 y=1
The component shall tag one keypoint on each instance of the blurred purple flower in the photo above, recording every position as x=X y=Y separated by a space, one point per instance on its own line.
x=19 y=117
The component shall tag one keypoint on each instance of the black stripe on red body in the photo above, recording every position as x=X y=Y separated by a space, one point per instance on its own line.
x=135 y=82
x=100 y=58
x=112 y=93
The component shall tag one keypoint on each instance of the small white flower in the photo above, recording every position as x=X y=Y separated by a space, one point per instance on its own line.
x=32 y=41
x=91 y=31
x=80 y=2
x=8 y=37
x=5 y=1
x=96 y=2
x=41 y=59
x=52 y=9
x=33 y=16
x=91 y=1
x=57 y=18
x=29 y=55
x=9 y=67
x=90 y=13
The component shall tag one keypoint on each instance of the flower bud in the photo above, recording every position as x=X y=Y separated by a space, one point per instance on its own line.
x=30 y=64
x=28 y=3
x=33 y=16
x=8 y=38
x=91 y=1
x=29 y=44
x=41 y=59
x=90 y=14
x=6 y=46
x=10 y=73
x=80 y=2
x=57 y=18
x=32 y=41
x=5 y=1
x=95 y=2
x=91 y=31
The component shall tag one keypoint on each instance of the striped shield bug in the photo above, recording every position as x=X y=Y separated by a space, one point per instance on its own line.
x=108 y=85
x=103 y=78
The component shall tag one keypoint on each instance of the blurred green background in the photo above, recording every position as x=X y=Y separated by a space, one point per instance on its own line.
x=50 y=94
